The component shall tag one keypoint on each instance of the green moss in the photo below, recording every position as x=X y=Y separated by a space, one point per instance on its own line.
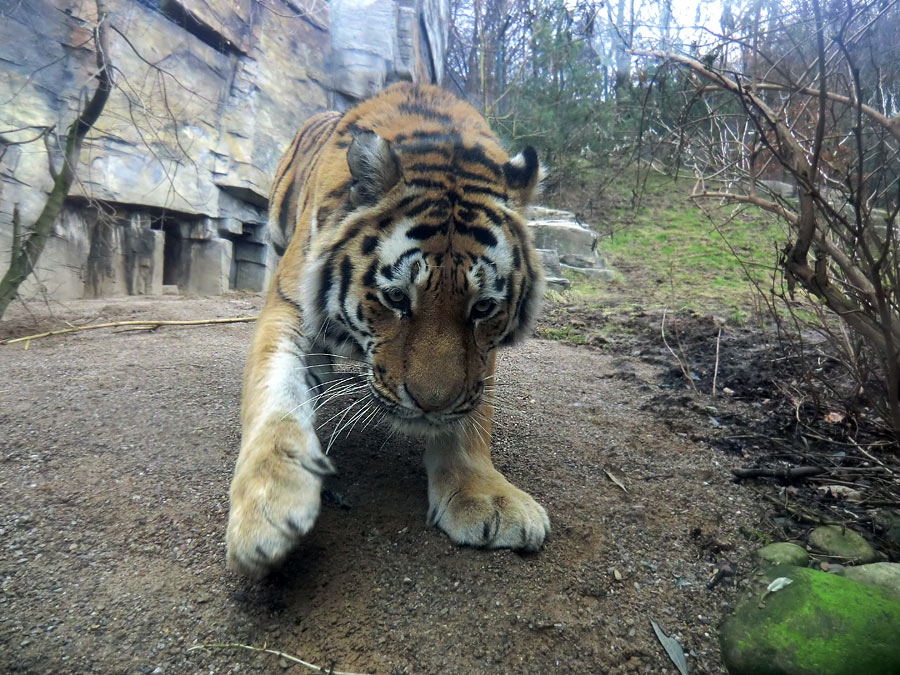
x=820 y=623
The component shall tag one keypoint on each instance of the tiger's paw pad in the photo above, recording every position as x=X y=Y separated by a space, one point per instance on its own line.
x=508 y=518
x=269 y=515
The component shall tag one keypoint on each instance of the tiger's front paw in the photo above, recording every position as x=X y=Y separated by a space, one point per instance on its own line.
x=275 y=498
x=492 y=513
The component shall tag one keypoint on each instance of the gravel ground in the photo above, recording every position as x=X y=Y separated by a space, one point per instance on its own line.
x=116 y=452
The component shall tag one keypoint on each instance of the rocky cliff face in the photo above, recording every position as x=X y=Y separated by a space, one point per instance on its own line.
x=173 y=183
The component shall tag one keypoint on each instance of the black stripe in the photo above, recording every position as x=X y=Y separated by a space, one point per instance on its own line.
x=477 y=189
x=406 y=201
x=406 y=254
x=424 y=167
x=422 y=232
x=346 y=275
x=283 y=296
x=480 y=234
x=425 y=111
x=369 y=277
x=325 y=284
x=475 y=155
x=346 y=239
x=492 y=215
x=419 y=208
x=340 y=191
x=517 y=258
x=369 y=244
x=427 y=183
x=284 y=213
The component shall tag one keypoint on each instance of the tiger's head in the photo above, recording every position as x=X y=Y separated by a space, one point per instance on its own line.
x=426 y=268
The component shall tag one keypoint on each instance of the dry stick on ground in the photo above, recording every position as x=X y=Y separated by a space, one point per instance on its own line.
x=116 y=324
x=783 y=474
x=804 y=471
x=288 y=657
x=716 y=369
x=681 y=362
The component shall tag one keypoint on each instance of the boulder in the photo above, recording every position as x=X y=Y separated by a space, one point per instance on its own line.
x=563 y=236
x=818 y=624
x=783 y=553
x=885 y=576
x=592 y=272
x=572 y=243
x=550 y=260
x=842 y=543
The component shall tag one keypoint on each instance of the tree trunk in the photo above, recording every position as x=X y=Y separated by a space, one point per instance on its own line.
x=26 y=250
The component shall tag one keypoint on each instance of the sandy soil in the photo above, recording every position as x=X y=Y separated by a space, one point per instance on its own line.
x=116 y=452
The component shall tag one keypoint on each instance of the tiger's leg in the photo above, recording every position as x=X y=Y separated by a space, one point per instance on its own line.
x=278 y=476
x=470 y=500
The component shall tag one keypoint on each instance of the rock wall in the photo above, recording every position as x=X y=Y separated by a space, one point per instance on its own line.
x=173 y=182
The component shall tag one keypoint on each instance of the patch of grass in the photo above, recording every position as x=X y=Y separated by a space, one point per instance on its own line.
x=564 y=334
x=671 y=253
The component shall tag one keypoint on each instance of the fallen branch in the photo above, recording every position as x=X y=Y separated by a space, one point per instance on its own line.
x=800 y=513
x=786 y=475
x=145 y=325
x=288 y=657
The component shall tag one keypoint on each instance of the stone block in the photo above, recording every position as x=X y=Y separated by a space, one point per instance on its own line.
x=207 y=267
x=577 y=260
x=550 y=261
x=564 y=236
x=201 y=229
x=557 y=284
x=592 y=272
x=256 y=234
x=247 y=252
x=250 y=276
x=142 y=261
x=227 y=226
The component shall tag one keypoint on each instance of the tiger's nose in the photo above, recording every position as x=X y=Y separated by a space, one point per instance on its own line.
x=434 y=398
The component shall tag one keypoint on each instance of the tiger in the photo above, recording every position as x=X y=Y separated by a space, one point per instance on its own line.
x=404 y=249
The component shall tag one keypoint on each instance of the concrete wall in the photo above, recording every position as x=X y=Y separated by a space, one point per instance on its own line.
x=173 y=183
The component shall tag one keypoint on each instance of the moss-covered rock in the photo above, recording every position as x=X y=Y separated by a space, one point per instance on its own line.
x=843 y=543
x=783 y=553
x=820 y=624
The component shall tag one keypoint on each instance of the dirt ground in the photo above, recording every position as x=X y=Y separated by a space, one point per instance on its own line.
x=116 y=452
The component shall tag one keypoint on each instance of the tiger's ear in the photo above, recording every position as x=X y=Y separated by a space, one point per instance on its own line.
x=523 y=176
x=373 y=166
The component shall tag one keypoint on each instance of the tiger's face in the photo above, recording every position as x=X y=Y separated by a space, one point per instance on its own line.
x=429 y=270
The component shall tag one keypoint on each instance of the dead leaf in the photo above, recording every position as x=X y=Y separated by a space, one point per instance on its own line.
x=672 y=647
x=615 y=480
x=841 y=492
x=834 y=417
x=778 y=584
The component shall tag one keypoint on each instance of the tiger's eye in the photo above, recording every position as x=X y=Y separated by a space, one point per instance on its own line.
x=482 y=308
x=395 y=295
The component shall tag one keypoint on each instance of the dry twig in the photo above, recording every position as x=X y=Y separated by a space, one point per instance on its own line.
x=288 y=657
x=144 y=325
x=681 y=362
